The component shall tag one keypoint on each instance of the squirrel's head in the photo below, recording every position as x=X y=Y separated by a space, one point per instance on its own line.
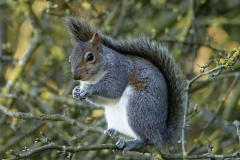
x=85 y=59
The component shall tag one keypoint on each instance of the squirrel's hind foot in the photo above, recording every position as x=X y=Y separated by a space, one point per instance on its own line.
x=129 y=144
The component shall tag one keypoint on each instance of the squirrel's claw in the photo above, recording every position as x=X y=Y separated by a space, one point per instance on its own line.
x=128 y=145
x=76 y=92
x=121 y=143
x=81 y=93
x=112 y=132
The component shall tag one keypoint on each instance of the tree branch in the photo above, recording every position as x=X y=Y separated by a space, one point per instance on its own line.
x=186 y=108
x=16 y=139
x=210 y=156
x=52 y=117
x=220 y=105
x=34 y=43
x=67 y=149
x=63 y=149
x=205 y=73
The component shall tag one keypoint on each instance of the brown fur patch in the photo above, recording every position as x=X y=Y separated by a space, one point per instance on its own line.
x=133 y=80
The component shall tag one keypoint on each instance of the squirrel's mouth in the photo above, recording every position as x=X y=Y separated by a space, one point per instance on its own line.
x=77 y=76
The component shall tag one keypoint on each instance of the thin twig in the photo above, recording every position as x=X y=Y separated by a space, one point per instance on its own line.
x=215 y=114
x=18 y=138
x=7 y=95
x=204 y=73
x=64 y=149
x=121 y=18
x=192 y=43
x=186 y=108
x=33 y=45
x=204 y=156
x=227 y=75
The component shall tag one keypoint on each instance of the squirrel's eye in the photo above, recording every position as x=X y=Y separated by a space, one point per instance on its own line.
x=90 y=57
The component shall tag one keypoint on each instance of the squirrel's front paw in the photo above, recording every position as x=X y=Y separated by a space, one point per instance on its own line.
x=112 y=132
x=76 y=92
x=81 y=93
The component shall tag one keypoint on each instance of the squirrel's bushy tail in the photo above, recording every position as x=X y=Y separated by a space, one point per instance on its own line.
x=81 y=30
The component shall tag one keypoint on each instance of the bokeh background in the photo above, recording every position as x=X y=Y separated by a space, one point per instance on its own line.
x=35 y=74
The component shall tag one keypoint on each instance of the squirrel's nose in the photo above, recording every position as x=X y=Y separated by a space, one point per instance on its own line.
x=76 y=77
x=75 y=72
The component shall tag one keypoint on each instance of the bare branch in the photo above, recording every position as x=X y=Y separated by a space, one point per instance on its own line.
x=16 y=139
x=215 y=114
x=209 y=156
x=52 y=117
x=186 y=108
x=205 y=73
x=33 y=45
x=7 y=95
x=224 y=63
x=66 y=149
x=121 y=18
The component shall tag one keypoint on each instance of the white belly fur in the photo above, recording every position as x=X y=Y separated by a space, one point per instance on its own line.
x=116 y=114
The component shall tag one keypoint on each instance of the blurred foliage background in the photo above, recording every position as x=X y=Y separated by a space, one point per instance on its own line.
x=35 y=75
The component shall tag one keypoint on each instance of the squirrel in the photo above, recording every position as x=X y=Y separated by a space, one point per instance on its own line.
x=136 y=80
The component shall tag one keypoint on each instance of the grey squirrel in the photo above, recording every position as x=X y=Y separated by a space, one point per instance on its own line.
x=136 y=81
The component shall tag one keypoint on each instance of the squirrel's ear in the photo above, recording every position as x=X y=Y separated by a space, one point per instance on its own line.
x=73 y=42
x=96 y=42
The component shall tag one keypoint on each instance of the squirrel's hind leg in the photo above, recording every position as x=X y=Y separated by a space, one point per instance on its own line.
x=128 y=145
